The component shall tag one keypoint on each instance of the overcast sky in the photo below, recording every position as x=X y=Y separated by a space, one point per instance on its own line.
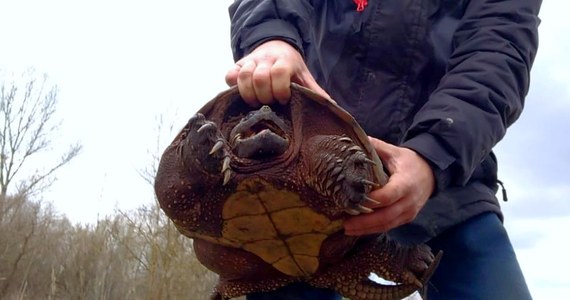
x=120 y=65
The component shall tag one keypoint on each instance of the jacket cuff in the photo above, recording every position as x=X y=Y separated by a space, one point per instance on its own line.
x=269 y=30
x=437 y=157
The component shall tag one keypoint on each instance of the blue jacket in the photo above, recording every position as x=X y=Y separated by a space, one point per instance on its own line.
x=443 y=77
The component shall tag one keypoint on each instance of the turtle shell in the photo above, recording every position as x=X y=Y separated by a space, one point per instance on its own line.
x=264 y=191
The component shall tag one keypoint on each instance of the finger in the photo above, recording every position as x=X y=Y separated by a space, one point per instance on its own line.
x=381 y=220
x=385 y=151
x=389 y=193
x=245 y=83
x=312 y=84
x=262 y=83
x=281 y=81
x=232 y=75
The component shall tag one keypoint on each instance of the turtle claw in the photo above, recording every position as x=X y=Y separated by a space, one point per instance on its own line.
x=371 y=201
x=205 y=126
x=358 y=209
x=226 y=169
x=217 y=146
x=352 y=212
x=368 y=160
x=418 y=283
x=370 y=183
x=227 y=177
x=226 y=164
x=355 y=148
x=364 y=209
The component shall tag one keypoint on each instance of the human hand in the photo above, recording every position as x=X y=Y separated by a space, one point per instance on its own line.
x=410 y=185
x=265 y=74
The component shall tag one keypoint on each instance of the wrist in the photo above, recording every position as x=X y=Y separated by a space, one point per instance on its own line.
x=436 y=156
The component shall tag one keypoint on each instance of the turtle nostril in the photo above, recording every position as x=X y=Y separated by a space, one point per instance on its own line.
x=265 y=109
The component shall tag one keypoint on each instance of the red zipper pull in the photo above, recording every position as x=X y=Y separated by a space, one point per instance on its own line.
x=360 y=4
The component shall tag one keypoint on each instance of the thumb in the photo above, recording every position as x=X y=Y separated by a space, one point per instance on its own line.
x=307 y=80
x=313 y=85
x=385 y=151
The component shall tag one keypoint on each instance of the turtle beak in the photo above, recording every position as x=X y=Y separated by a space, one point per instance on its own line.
x=261 y=145
x=260 y=135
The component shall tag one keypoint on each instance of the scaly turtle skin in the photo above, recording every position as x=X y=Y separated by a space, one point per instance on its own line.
x=264 y=192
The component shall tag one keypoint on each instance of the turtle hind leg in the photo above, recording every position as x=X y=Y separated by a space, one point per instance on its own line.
x=229 y=289
x=369 y=290
x=408 y=267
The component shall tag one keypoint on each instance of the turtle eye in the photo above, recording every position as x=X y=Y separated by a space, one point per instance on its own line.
x=250 y=115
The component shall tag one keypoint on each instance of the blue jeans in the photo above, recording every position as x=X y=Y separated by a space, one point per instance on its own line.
x=478 y=263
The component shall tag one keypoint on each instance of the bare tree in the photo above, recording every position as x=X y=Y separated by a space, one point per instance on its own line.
x=133 y=255
x=27 y=125
x=148 y=173
x=171 y=268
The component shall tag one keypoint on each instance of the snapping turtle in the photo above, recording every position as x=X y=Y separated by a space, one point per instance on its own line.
x=263 y=193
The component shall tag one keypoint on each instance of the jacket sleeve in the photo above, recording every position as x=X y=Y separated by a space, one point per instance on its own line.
x=483 y=90
x=256 y=21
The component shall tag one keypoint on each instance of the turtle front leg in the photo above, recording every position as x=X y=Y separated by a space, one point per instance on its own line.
x=409 y=268
x=197 y=159
x=203 y=149
x=340 y=169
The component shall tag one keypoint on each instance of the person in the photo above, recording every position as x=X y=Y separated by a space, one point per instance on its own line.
x=435 y=84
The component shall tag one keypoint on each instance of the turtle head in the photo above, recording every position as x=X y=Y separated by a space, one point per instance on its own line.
x=261 y=134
